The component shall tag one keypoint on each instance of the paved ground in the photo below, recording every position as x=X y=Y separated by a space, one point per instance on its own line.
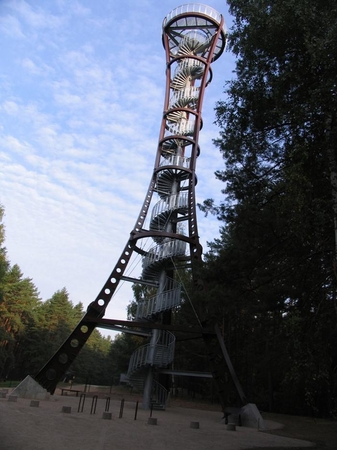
x=46 y=427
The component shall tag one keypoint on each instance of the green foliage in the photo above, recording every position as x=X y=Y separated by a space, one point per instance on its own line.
x=3 y=259
x=270 y=276
x=17 y=310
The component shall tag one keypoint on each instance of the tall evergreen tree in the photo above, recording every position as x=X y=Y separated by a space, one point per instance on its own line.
x=276 y=255
x=17 y=310
x=3 y=258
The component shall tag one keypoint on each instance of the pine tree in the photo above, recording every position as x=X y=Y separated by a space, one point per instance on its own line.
x=272 y=270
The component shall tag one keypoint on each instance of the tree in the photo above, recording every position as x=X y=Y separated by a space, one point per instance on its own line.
x=17 y=310
x=272 y=270
x=3 y=257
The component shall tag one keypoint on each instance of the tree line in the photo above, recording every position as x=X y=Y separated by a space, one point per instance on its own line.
x=31 y=330
x=271 y=275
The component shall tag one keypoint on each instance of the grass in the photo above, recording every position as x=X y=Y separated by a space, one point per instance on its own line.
x=9 y=384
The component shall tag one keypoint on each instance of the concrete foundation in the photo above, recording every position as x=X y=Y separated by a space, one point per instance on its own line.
x=35 y=403
x=29 y=388
x=248 y=416
x=66 y=409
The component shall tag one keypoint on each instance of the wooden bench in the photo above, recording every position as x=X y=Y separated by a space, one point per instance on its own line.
x=70 y=390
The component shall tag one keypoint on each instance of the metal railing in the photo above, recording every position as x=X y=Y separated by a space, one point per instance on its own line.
x=191 y=94
x=162 y=301
x=193 y=7
x=160 y=354
x=175 y=160
x=161 y=252
x=171 y=203
x=159 y=393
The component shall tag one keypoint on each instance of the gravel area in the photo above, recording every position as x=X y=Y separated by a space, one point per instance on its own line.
x=48 y=427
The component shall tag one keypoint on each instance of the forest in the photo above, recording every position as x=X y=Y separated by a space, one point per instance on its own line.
x=270 y=278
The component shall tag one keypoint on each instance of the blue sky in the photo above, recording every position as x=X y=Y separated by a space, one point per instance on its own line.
x=81 y=98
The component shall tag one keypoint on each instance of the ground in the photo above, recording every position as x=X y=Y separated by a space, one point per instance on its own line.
x=46 y=427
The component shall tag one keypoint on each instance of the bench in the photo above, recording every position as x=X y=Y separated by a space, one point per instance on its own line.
x=70 y=390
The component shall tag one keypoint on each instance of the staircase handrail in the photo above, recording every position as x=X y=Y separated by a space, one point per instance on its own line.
x=166 y=250
x=171 y=203
x=159 y=302
x=176 y=160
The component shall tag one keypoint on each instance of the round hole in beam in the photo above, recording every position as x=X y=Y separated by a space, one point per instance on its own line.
x=51 y=374
x=63 y=358
x=107 y=291
x=84 y=329
x=101 y=302
x=113 y=280
x=74 y=343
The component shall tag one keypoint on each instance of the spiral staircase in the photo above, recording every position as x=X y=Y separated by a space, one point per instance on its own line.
x=192 y=40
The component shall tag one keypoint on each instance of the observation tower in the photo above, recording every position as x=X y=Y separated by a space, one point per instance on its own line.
x=193 y=38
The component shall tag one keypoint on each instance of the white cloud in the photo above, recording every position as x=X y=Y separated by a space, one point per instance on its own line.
x=11 y=27
x=34 y=16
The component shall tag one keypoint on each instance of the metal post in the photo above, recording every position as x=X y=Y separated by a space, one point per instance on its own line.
x=81 y=403
x=136 y=411
x=121 y=409
x=93 y=405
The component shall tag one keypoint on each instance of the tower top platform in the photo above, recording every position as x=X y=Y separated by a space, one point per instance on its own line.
x=193 y=8
x=195 y=20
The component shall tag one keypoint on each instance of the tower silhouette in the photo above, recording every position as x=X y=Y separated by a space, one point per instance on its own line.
x=193 y=37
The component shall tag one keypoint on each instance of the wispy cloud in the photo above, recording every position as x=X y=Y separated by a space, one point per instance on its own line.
x=11 y=27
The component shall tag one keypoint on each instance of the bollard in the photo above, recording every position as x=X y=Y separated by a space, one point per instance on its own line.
x=93 y=404
x=66 y=409
x=136 y=411
x=107 y=404
x=152 y=421
x=121 y=409
x=107 y=415
x=81 y=403
x=34 y=403
x=194 y=425
x=231 y=427
x=13 y=398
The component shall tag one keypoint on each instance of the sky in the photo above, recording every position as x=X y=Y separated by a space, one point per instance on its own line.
x=81 y=99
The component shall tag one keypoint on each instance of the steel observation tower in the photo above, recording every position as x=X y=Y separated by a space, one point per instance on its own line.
x=193 y=37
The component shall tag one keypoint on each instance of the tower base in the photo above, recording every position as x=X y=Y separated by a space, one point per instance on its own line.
x=247 y=416
x=29 y=388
